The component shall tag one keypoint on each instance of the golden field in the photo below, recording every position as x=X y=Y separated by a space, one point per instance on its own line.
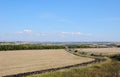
x=13 y=62
x=103 y=51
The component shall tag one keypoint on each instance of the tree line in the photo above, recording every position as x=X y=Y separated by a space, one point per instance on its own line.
x=41 y=46
x=29 y=47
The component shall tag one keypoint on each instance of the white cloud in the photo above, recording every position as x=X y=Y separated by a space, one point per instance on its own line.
x=28 y=34
x=57 y=34
x=72 y=33
x=26 y=31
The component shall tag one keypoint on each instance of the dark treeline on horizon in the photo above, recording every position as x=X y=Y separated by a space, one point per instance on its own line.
x=29 y=47
x=40 y=46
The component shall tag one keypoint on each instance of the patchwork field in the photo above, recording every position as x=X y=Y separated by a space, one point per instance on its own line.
x=103 y=51
x=13 y=62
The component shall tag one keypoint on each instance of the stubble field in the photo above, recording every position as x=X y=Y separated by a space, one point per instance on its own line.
x=102 y=51
x=13 y=62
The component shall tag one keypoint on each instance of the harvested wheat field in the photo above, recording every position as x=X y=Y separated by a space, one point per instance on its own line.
x=13 y=62
x=103 y=51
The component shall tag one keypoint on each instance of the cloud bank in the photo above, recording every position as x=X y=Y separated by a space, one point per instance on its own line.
x=30 y=32
x=30 y=35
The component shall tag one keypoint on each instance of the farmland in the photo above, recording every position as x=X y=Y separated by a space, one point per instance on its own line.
x=14 y=62
x=109 y=68
x=105 y=69
x=101 y=51
x=22 y=61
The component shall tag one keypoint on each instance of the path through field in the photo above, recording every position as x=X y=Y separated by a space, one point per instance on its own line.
x=13 y=62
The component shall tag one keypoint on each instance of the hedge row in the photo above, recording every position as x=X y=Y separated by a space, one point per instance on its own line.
x=118 y=46
x=39 y=46
x=29 y=47
x=80 y=46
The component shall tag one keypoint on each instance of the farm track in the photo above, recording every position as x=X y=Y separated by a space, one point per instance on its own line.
x=96 y=60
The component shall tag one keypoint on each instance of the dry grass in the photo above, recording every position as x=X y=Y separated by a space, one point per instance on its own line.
x=104 y=51
x=12 y=62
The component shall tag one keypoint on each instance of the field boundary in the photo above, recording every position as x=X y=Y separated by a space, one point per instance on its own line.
x=96 y=60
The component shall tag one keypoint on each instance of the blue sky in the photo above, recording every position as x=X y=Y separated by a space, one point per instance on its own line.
x=59 y=20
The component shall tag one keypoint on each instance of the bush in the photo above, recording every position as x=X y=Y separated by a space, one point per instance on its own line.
x=116 y=57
